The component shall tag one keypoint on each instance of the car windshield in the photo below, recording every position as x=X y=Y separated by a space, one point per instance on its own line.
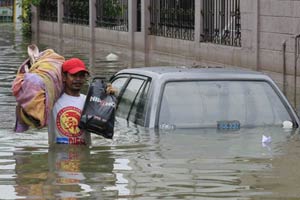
x=196 y=104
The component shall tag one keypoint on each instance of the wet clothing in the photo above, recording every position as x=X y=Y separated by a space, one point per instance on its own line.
x=63 y=124
x=36 y=89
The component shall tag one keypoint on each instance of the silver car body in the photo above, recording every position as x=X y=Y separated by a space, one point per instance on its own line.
x=159 y=76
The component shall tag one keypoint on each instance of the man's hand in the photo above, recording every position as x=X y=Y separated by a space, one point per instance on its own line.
x=110 y=89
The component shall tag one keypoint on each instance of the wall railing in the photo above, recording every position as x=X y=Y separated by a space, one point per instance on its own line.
x=221 y=22
x=172 y=18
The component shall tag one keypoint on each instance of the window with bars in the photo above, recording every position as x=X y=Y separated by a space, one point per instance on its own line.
x=221 y=22
x=172 y=18
x=112 y=14
x=48 y=10
x=76 y=12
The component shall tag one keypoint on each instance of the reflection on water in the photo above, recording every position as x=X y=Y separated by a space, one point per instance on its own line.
x=150 y=165
x=138 y=163
x=12 y=51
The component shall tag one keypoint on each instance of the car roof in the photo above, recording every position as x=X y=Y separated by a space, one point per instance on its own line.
x=203 y=73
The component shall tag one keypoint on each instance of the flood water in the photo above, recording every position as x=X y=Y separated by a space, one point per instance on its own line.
x=138 y=163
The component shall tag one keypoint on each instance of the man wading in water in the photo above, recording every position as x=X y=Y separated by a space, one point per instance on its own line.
x=63 y=124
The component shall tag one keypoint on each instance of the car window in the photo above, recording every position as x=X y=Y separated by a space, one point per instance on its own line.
x=202 y=103
x=137 y=113
x=133 y=100
x=118 y=84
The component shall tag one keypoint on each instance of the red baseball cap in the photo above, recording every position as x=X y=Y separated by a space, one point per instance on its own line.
x=74 y=65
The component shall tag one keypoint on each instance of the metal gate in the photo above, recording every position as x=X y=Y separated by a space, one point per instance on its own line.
x=221 y=22
x=6 y=11
x=172 y=18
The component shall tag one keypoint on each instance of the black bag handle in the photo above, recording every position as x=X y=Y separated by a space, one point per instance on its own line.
x=103 y=78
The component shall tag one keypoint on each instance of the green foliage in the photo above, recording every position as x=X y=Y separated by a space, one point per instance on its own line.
x=26 y=15
x=112 y=8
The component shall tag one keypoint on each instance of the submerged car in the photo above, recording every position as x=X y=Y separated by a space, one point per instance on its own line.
x=188 y=97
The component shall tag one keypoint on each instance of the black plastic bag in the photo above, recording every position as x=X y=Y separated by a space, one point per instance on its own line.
x=98 y=115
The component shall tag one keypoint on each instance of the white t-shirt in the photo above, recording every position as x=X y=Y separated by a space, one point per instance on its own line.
x=63 y=123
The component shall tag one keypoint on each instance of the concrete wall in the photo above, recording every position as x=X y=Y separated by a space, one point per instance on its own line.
x=266 y=25
x=279 y=23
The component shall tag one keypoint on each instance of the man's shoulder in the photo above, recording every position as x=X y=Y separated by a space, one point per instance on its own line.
x=65 y=95
x=67 y=98
x=83 y=96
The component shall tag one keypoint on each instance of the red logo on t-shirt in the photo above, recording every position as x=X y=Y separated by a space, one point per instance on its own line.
x=67 y=121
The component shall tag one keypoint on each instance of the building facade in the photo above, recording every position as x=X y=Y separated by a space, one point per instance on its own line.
x=6 y=10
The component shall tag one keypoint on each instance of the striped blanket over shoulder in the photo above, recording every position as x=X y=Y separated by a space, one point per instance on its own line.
x=37 y=86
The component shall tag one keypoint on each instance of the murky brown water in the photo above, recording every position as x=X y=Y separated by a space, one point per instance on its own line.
x=138 y=163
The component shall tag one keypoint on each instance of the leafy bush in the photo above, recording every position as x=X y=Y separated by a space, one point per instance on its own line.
x=26 y=15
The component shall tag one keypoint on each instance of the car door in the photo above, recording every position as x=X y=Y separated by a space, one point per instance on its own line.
x=132 y=97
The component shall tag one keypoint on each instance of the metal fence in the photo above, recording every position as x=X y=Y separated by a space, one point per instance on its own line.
x=172 y=18
x=76 y=12
x=221 y=19
x=48 y=10
x=112 y=14
x=139 y=16
x=221 y=22
x=6 y=10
